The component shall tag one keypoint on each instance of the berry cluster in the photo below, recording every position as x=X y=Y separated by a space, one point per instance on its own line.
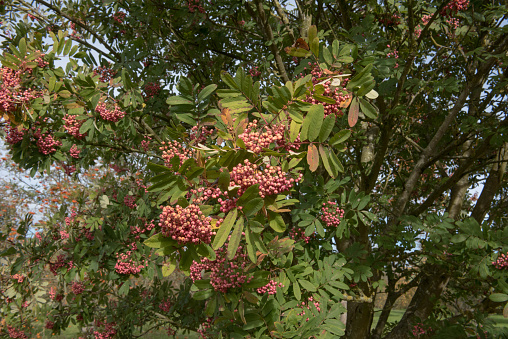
x=200 y=136
x=61 y=261
x=224 y=274
x=18 y=277
x=304 y=306
x=46 y=143
x=54 y=296
x=72 y=126
x=74 y=151
x=125 y=265
x=109 y=332
x=78 y=288
x=145 y=143
x=256 y=141
x=12 y=94
x=113 y=115
x=388 y=19
x=331 y=214
x=137 y=230
x=49 y=324
x=130 y=201
x=453 y=7
x=171 y=149
x=338 y=93
x=15 y=333
x=151 y=89
x=270 y=288
x=186 y=225
x=165 y=305
x=501 y=262
x=194 y=5
x=106 y=73
x=14 y=134
x=298 y=234
x=254 y=71
x=119 y=17
x=271 y=179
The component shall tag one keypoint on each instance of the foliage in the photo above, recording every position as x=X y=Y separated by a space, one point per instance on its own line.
x=292 y=171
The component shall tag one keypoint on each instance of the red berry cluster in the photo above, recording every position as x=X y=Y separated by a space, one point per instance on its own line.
x=305 y=305
x=14 y=134
x=12 y=93
x=271 y=179
x=338 y=93
x=46 y=143
x=151 y=89
x=74 y=151
x=331 y=214
x=54 y=296
x=72 y=126
x=78 y=288
x=105 y=73
x=130 y=201
x=113 y=115
x=224 y=274
x=298 y=234
x=136 y=230
x=125 y=264
x=254 y=71
x=109 y=332
x=453 y=7
x=200 y=136
x=18 y=277
x=256 y=141
x=15 y=333
x=501 y=262
x=49 y=324
x=270 y=288
x=165 y=305
x=119 y=16
x=61 y=261
x=173 y=148
x=388 y=19
x=186 y=225
x=194 y=5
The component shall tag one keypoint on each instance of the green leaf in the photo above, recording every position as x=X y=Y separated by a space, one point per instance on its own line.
x=367 y=109
x=324 y=157
x=314 y=46
x=253 y=206
x=294 y=130
x=234 y=241
x=203 y=295
x=22 y=47
x=169 y=268
x=206 y=92
x=276 y=222
x=124 y=289
x=186 y=117
x=250 y=246
x=86 y=126
x=250 y=193
x=307 y=285
x=498 y=297
x=177 y=100
x=67 y=47
x=340 y=137
x=312 y=123
x=296 y=291
x=159 y=241
x=224 y=179
x=458 y=238
x=210 y=307
x=327 y=56
x=335 y=161
x=327 y=127
x=224 y=229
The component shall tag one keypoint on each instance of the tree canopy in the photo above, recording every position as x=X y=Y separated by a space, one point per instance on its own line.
x=294 y=160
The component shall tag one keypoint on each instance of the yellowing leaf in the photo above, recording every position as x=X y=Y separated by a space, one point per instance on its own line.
x=313 y=157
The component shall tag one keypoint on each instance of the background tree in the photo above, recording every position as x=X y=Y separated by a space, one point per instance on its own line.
x=332 y=149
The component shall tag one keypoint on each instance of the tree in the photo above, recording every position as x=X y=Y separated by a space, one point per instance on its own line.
x=294 y=162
